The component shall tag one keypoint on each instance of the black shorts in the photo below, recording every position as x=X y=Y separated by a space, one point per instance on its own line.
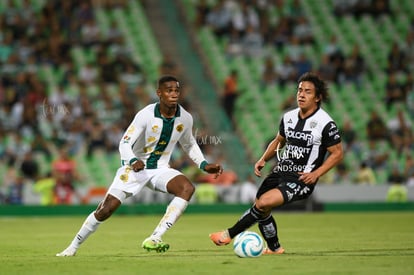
x=292 y=189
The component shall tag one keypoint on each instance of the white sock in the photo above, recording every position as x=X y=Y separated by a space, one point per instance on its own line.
x=174 y=210
x=89 y=226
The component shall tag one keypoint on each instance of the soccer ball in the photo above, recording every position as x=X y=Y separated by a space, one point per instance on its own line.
x=248 y=244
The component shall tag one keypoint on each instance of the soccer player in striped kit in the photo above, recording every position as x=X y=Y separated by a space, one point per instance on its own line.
x=145 y=150
x=311 y=145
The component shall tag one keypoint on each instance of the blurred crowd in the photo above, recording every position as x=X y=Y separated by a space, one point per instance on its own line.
x=86 y=109
x=250 y=28
x=94 y=99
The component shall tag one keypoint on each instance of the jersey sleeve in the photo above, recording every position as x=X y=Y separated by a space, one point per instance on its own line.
x=129 y=137
x=282 y=128
x=190 y=146
x=330 y=134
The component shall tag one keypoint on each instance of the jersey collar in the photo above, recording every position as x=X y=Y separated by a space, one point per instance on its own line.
x=157 y=112
x=317 y=109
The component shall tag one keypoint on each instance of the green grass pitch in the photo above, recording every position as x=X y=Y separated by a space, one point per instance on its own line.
x=315 y=243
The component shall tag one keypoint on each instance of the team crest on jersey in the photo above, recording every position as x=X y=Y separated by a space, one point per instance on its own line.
x=180 y=127
x=154 y=128
x=313 y=124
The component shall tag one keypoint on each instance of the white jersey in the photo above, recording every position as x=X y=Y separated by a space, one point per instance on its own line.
x=307 y=141
x=152 y=138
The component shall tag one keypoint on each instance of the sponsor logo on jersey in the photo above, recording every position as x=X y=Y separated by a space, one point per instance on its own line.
x=333 y=132
x=126 y=139
x=300 y=135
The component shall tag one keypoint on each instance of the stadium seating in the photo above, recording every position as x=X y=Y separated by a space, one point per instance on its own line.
x=257 y=109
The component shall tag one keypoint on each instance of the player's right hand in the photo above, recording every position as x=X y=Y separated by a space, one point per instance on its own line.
x=213 y=168
x=138 y=165
x=258 y=167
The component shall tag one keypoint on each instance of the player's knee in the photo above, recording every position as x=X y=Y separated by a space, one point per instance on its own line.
x=263 y=206
x=106 y=209
x=188 y=190
x=181 y=187
x=266 y=204
x=103 y=213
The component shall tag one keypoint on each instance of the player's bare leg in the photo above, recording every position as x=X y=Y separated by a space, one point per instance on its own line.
x=104 y=210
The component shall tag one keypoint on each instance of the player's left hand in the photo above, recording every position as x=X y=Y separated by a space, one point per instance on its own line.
x=308 y=178
x=214 y=168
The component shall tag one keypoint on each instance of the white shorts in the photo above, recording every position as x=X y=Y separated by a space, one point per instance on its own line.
x=128 y=183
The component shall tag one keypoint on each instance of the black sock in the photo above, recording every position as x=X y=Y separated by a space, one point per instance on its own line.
x=249 y=218
x=268 y=228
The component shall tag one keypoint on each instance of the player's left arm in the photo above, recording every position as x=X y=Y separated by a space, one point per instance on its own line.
x=335 y=156
x=332 y=140
x=190 y=146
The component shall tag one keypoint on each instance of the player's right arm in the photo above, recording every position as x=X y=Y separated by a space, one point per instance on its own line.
x=270 y=152
x=128 y=139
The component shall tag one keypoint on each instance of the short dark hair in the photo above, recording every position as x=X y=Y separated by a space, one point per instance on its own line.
x=166 y=78
x=321 y=88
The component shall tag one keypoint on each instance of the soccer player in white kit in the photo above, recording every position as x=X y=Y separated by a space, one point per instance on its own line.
x=145 y=150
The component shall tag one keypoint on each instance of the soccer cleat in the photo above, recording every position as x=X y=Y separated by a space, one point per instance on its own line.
x=155 y=245
x=220 y=238
x=268 y=251
x=68 y=252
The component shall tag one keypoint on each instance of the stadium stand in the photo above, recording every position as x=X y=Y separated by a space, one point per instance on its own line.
x=258 y=108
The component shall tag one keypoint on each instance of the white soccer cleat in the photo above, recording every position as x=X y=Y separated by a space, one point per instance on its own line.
x=68 y=252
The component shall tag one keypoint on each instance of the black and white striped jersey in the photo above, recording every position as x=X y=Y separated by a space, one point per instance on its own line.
x=307 y=141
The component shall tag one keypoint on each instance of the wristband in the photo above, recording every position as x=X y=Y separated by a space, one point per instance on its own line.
x=203 y=165
x=132 y=161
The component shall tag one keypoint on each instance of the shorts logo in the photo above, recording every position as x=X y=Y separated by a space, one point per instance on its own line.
x=125 y=177
x=304 y=191
x=289 y=195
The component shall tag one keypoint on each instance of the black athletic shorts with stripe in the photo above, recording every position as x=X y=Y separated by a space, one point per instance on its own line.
x=292 y=189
